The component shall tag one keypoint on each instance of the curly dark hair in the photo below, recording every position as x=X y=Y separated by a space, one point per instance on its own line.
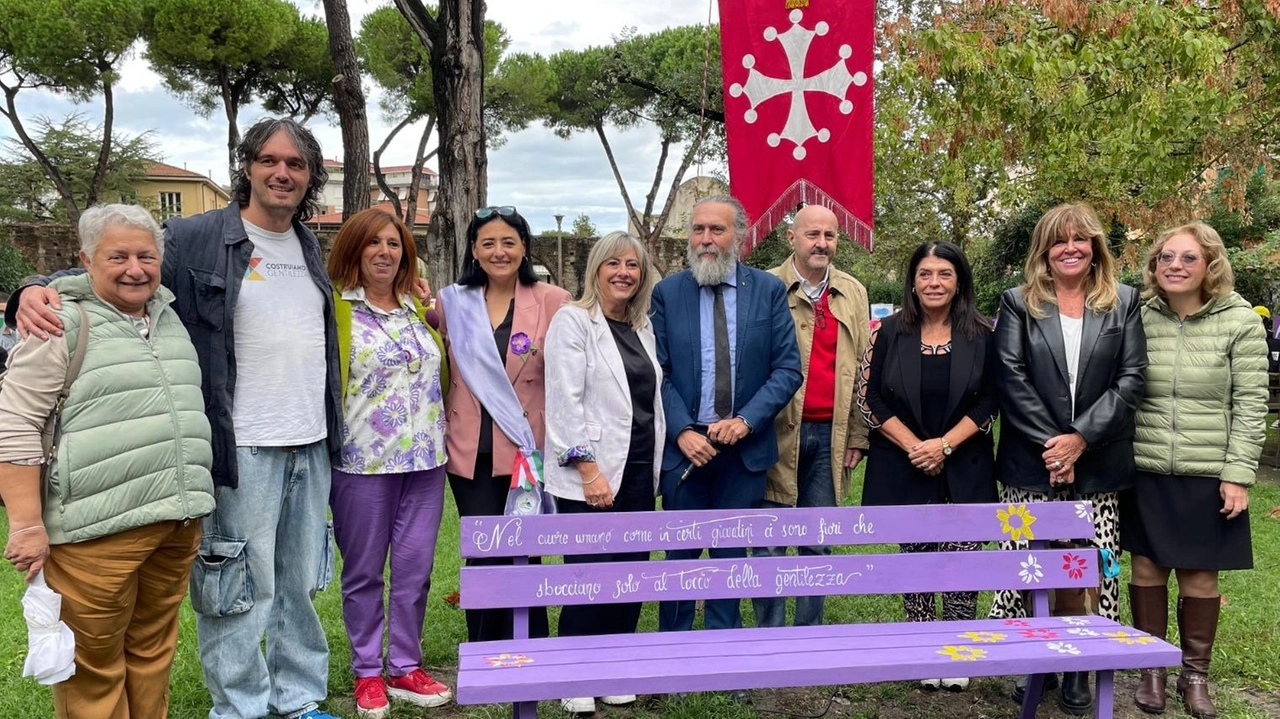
x=251 y=145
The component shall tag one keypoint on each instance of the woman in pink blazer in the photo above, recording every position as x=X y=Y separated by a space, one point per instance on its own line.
x=520 y=309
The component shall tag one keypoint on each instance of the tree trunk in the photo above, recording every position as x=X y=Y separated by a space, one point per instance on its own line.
x=104 y=155
x=617 y=175
x=348 y=98
x=231 y=104
x=415 y=176
x=654 y=237
x=455 y=38
x=380 y=178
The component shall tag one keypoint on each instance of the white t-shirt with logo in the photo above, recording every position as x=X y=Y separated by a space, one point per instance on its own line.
x=280 y=350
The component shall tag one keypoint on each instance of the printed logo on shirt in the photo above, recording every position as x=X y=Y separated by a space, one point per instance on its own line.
x=259 y=271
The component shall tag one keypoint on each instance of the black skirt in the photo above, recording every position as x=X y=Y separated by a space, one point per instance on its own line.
x=1175 y=522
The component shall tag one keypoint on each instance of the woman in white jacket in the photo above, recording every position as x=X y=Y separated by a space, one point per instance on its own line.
x=605 y=425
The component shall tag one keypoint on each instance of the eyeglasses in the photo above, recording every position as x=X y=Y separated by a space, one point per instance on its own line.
x=1167 y=258
x=485 y=213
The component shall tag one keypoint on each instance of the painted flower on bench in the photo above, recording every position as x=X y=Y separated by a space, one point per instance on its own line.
x=1076 y=621
x=1016 y=522
x=1031 y=572
x=508 y=660
x=1075 y=565
x=1016 y=623
x=1084 y=510
x=983 y=637
x=1063 y=648
x=1129 y=637
x=962 y=654
x=1082 y=632
x=1039 y=634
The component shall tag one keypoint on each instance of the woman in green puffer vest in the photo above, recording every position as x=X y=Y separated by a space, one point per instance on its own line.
x=117 y=526
x=1199 y=433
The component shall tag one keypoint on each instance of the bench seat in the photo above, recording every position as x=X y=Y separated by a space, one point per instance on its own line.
x=653 y=663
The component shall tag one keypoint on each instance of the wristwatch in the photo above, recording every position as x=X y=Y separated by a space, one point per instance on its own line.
x=946 y=447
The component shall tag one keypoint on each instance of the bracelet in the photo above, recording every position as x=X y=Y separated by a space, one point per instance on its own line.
x=589 y=481
x=24 y=530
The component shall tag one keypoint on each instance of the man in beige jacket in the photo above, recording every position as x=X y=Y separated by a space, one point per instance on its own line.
x=821 y=433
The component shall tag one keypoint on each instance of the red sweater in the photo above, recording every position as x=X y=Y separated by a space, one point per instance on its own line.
x=820 y=387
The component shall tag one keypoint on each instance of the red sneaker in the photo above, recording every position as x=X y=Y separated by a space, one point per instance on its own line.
x=417 y=687
x=371 y=698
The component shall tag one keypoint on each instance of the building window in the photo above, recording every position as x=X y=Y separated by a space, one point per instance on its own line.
x=170 y=205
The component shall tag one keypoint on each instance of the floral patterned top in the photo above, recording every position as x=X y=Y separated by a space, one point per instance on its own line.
x=394 y=419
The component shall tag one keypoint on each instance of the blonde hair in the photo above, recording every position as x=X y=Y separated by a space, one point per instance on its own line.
x=613 y=245
x=1102 y=291
x=1219 y=279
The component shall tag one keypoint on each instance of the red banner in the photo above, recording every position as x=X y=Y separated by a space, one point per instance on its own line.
x=798 y=109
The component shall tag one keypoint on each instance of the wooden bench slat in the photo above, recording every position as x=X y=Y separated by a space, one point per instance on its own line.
x=852 y=631
x=472 y=654
x=787 y=661
x=549 y=535
x=486 y=587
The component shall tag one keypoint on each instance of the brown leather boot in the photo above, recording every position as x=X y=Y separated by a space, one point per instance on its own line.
x=1150 y=606
x=1198 y=625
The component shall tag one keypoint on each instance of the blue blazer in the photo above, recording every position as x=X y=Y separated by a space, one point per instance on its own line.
x=768 y=361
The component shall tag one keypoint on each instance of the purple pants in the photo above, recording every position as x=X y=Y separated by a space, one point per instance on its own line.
x=374 y=513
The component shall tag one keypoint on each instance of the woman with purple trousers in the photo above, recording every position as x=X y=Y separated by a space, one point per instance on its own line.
x=388 y=485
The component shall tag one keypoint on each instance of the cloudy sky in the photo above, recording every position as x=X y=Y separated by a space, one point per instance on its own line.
x=536 y=171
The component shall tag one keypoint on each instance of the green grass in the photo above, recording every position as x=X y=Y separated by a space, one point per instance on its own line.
x=1246 y=664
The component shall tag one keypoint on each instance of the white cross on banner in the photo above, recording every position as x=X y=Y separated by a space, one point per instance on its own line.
x=798 y=109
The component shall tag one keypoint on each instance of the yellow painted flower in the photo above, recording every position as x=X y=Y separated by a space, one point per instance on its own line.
x=983 y=637
x=962 y=654
x=1016 y=522
x=1129 y=637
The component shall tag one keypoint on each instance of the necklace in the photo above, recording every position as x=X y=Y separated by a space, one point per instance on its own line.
x=412 y=362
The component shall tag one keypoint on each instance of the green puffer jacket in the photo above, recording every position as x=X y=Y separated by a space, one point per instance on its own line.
x=1206 y=394
x=134 y=444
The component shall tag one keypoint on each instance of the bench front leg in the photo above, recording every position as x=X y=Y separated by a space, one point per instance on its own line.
x=1105 y=706
x=1031 y=699
x=524 y=710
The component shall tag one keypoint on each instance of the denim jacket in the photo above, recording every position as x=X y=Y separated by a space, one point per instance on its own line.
x=204 y=276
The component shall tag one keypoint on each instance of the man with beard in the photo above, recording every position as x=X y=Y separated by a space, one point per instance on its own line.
x=727 y=346
x=252 y=291
x=821 y=433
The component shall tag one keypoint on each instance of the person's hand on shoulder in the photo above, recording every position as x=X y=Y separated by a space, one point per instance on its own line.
x=35 y=315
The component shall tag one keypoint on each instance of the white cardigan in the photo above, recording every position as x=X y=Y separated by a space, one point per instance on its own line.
x=589 y=401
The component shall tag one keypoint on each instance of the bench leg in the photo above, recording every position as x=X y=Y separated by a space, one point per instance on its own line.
x=1105 y=705
x=524 y=710
x=1031 y=700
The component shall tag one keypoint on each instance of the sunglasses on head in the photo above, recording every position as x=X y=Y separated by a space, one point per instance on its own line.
x=485 y=213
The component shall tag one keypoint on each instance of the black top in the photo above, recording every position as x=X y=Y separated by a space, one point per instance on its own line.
x=935 y=386
x=642 y=381
x=502 y=338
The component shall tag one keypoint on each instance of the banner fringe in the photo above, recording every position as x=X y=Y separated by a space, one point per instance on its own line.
x=803 y=191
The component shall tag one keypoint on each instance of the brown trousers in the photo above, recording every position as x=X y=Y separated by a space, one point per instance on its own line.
x=120 y=596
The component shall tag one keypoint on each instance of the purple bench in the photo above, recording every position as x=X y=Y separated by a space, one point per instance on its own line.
x=523 y=671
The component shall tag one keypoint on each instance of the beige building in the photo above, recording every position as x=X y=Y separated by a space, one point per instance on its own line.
x=399 y=179
x=176 y=192
x=690 y=191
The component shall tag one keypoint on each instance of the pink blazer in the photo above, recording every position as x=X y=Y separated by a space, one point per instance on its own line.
x=535 y=306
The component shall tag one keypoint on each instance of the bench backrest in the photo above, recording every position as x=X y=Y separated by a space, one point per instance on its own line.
x=1037 y=569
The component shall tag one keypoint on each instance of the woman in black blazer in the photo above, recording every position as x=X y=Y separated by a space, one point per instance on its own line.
x=927 y=387
x=1072 y=354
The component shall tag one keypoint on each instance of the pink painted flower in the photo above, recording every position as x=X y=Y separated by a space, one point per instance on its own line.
x=1039 y=634
x=1016 y=623
x=1075 y=565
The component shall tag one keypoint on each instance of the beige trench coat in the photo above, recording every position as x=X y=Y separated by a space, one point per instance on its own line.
x=848 y=303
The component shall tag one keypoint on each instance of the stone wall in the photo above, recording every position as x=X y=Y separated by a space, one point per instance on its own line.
x=55 y=247
x=49 y=247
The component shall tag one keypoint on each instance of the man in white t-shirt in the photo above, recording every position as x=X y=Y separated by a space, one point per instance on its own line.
x=252 y=290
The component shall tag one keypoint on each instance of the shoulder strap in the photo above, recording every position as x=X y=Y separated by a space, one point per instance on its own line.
x=77 y=357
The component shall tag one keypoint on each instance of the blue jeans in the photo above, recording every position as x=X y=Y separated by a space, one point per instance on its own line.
x=265 y=552
x=815 y=488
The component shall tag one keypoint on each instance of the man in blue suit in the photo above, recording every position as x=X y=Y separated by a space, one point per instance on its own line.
x=730 y=363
